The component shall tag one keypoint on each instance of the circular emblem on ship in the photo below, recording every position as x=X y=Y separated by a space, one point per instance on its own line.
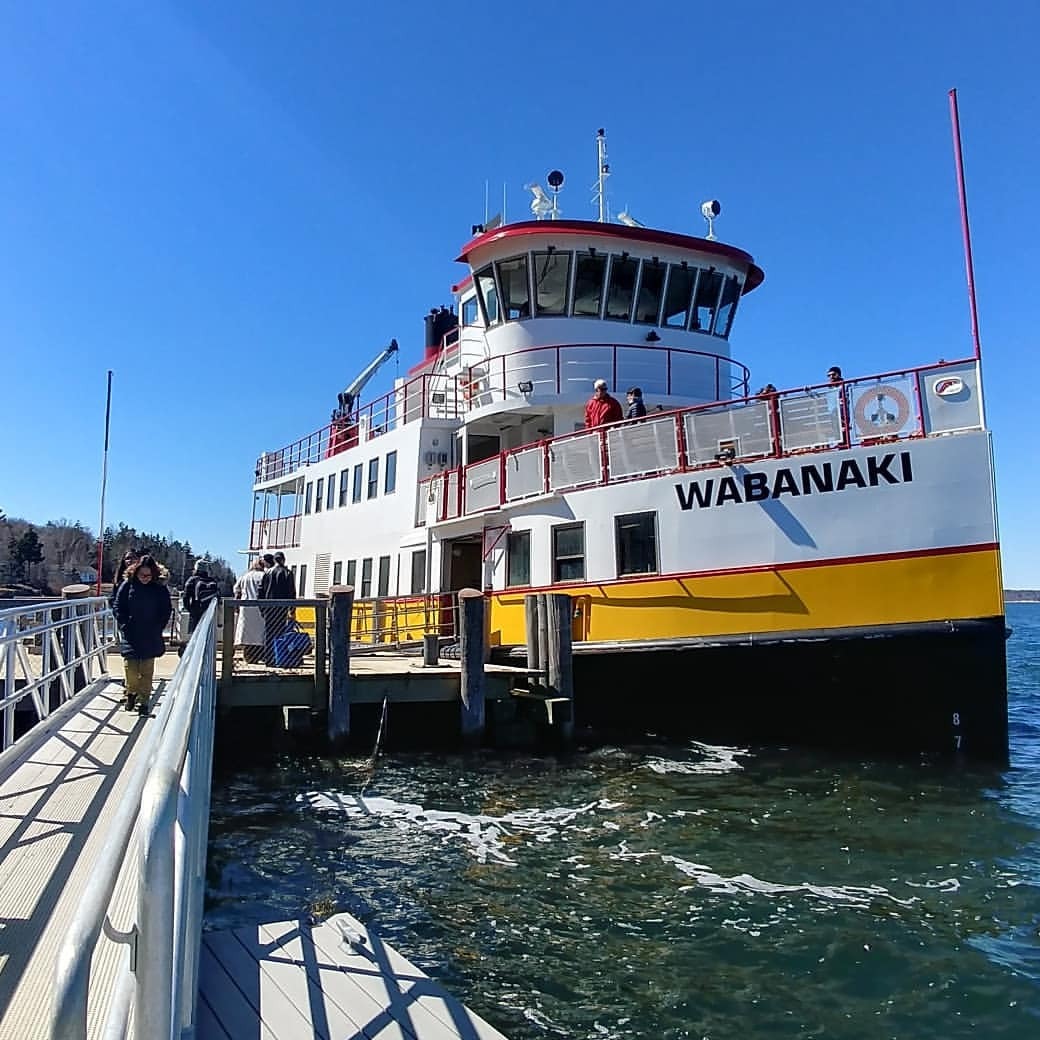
x=881 y=409
x=948 y=386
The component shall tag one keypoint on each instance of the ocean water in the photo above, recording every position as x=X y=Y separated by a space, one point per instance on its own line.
x=673 y=892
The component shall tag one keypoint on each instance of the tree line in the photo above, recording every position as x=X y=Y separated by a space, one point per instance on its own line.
x=44 y=558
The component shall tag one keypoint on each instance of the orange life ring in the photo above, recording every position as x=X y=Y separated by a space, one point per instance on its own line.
x=874 y=417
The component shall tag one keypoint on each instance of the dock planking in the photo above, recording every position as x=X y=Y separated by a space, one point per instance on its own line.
x=333 y=981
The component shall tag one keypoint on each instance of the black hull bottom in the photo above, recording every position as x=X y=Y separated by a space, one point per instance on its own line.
x=924 y=688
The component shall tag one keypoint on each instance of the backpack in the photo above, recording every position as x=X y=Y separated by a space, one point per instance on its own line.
x=205 y=590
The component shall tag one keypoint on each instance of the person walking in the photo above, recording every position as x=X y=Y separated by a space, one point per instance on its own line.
x=636 y=408
x=601 y=407
x=249 y=628
x=142 y=609
x=278 y=583
x=199 y=591
x=129 y=557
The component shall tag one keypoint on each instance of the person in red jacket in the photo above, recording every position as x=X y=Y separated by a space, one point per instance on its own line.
x=602 y=408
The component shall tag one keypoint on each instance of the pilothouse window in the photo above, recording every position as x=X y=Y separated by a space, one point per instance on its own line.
x=651 y=285
x=516 y=294
x=623 y=272
x=589 y=275
x=485 y=282
x=727 y=305
x=708 y=288
x=552 y=276
x=470 y=312
x=677 y=296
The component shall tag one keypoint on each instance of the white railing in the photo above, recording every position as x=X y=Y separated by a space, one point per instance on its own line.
x=166 y=804
x=63 y=642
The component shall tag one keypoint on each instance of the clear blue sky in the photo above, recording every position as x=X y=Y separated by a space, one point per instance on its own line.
x=234 y=206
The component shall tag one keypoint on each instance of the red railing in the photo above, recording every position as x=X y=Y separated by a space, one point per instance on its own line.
x=871 y=410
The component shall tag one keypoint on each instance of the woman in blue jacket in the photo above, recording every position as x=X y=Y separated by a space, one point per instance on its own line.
x=142 y=609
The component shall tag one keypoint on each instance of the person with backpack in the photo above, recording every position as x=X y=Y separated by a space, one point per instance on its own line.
x=199 y=591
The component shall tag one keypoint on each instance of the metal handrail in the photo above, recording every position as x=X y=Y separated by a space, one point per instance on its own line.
x=84 y=626
x=171 y=836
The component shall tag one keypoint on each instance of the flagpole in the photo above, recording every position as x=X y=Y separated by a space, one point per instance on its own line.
x=969 y=264
x=104 y=485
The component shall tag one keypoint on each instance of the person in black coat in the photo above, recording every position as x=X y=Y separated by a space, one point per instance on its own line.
x=278 y=583
x=129 y=557
x=636 y=408
x=142 y=609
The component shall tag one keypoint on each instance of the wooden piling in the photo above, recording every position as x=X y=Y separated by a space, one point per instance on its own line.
x=543 y=641
x=341 y=609
x=472 y=607
x=534 y=654
x=558 y=661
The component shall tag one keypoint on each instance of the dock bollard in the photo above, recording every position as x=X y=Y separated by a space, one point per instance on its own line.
x=431 y=649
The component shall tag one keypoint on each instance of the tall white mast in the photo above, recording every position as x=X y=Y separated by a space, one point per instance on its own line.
x=602 y=173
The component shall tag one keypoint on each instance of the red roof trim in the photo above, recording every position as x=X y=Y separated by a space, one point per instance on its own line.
x=463 y=285
x=596 y=229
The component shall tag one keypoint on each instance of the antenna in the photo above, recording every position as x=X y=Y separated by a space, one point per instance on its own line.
x=485 y=201
x=710 y=210
x=602 y=173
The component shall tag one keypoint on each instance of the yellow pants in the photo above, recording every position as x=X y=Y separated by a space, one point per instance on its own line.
x=139 y=676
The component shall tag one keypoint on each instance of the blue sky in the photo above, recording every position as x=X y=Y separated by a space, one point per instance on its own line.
x=235 y=206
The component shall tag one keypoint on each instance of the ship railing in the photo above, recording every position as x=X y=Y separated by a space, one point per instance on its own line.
x=927 y=401
x=393 y=622
x=158 y=835
x=275 y=533
x=48 y=653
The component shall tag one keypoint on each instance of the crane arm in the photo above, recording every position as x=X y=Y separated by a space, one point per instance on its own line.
x=349 y=395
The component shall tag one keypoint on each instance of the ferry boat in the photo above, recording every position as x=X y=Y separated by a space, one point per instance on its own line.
x=817 y=565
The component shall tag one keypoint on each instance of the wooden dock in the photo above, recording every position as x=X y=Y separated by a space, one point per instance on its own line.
x=334 y=981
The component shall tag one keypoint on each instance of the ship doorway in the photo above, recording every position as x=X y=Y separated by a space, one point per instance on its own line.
x=463 y=565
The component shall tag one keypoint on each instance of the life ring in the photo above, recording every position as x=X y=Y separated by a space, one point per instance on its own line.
x=875 y=417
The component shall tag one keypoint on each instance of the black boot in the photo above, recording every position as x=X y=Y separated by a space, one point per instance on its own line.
x=128 y=704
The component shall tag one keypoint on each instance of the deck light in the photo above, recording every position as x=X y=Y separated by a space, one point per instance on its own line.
x=652 y=337
x=525 y=386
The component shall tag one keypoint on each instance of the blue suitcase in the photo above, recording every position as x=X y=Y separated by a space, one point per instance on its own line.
x=291 y=647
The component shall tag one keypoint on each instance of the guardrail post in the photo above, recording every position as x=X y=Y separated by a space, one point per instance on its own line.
x=341 y=608
x=471 y=657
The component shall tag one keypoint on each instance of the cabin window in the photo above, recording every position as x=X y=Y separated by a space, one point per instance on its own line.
x=351 y=572
x=337 y=572
x=623 y=271
x=366 y=578
x=344 y=487
x=319 y=495
x=390 y=478
x=358 y=478
x=516 y=293
x=727 y=305
x=589 y=274
x=677 y=296
x=487 y=292
x=651 y=286
x=635 y=538
x=518 y=558
x=470 y=311
x=383 y=588
x=308 y=498
x=330 y=499
x=552 y=278
x=568 y=552
x=418 y=572
x=708 y=287
x=301 y=589
x=373 y=478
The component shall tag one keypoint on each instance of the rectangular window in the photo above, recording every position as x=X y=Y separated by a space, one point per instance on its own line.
x=383 y=588
x=308 y=497
x=373 y=478
x=330 y=501
x=516 y=294
x=337 y=572
x=319 y=494
x=568 y=552
x=677 y=296
x=552 y=279
x=366 y=578
x=418 y=572
x=635 y=537
x=518 y=558
x=485 y=281
x=351 y=572
x=344 y=487
x=708 y=287
x=589 y=274
x=390 y=478
x=301 y=588
x=359 y=476
x=727 y=305
x=651 y=287
x=470 y=312
x=622 y=287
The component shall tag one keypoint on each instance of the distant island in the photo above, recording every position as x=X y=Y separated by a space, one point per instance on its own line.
x=1022 y=595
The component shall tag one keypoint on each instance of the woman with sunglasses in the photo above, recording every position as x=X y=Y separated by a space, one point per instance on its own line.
x=142 y=609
